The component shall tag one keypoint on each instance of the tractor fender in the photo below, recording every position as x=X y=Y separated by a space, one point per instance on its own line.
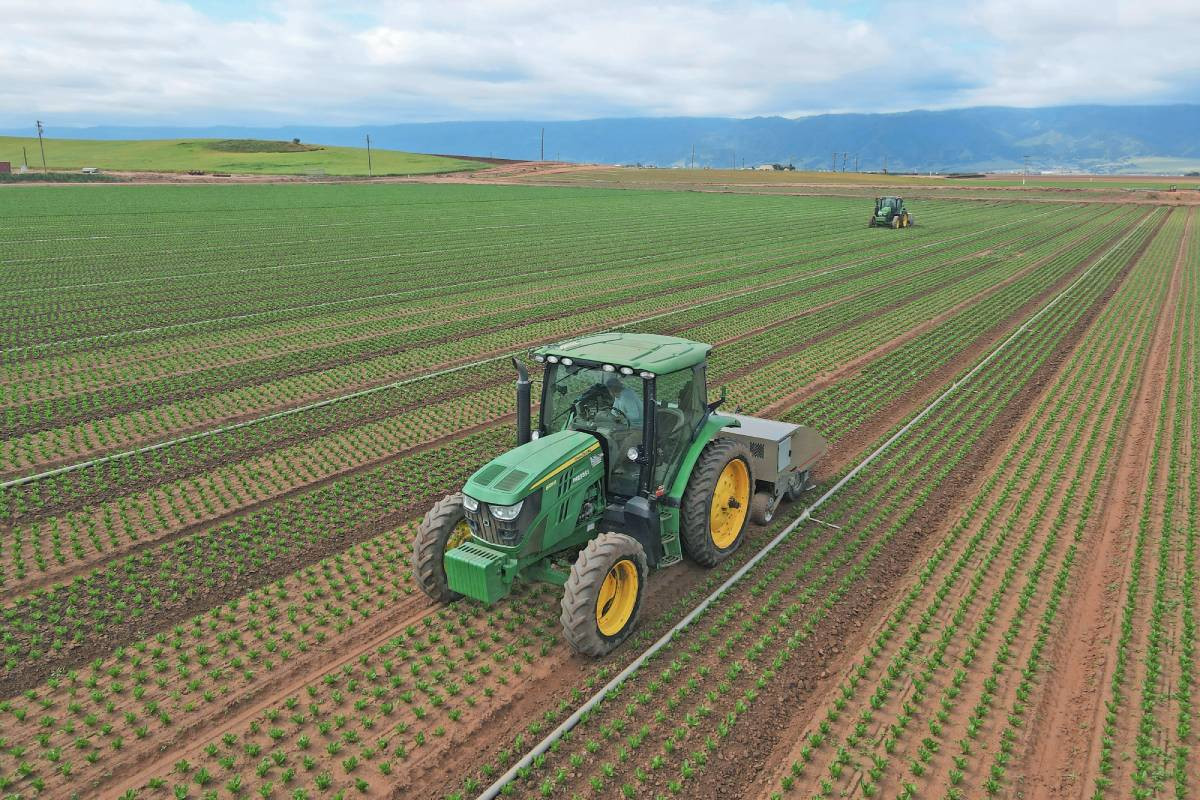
x=708 y=431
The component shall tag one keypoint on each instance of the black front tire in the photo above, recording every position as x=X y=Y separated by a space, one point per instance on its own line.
x=602 y=555
x=430 y=545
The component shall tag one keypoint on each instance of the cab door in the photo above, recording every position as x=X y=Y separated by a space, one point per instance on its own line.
x=679 y=403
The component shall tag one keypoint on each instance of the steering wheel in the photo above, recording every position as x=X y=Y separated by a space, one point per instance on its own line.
x=590 y=402
x=623 y=418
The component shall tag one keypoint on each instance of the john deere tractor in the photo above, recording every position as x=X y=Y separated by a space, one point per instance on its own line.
x=628 y=469
x=890 y=213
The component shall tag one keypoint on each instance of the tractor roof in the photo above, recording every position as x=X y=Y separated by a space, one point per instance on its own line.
x=640 y=351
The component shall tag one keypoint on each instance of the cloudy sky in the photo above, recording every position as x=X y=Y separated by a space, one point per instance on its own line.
x=256 y=62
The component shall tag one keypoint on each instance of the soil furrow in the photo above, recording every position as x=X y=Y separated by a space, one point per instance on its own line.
x=1064 y=746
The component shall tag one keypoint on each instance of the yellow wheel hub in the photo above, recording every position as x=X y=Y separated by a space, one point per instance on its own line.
x=617 y=597
x=460 y=533
x=730 y=503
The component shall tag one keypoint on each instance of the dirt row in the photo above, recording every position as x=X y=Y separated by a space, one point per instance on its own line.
x=777 y=719
x=910 y=700
x=1063 y=753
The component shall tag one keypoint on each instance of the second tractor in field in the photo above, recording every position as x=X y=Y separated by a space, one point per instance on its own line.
x=890 y=212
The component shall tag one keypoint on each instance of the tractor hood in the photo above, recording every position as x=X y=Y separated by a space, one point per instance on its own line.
x=513 y=476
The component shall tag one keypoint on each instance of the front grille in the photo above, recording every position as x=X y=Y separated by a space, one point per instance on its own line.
x=486 y=527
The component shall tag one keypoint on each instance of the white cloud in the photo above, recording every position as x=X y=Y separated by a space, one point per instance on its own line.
x=162 y=61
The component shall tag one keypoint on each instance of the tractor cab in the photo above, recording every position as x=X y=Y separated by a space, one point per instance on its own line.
x=643 y=402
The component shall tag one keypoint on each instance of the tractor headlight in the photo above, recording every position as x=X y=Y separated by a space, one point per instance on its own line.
x=507 y=513
x=470 y=503
x=633 y=454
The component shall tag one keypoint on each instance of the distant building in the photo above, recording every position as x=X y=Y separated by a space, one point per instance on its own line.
x=765 y=168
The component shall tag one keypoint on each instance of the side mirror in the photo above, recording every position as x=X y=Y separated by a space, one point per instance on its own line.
x=713 y=406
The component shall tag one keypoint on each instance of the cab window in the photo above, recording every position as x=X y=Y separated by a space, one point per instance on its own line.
x=679 y=407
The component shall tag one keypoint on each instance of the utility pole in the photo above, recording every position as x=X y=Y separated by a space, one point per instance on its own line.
x=885 y=165
x=24 y=157
x=370 y=171
x=856 y=162
x=542 y=154
x=844 y=161
x=40 y=129
x=1025 y=174
x=693 y=156
x=833 y=164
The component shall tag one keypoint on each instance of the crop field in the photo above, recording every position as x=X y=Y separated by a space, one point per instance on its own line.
x=1008 y=188
x=225 y=409
x=216 y=155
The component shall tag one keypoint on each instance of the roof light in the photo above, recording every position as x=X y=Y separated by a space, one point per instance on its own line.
x=539 y=358
x=568 y=362
x=626 y=371
x=552 y=359
x=647 y=375
x=609 y=368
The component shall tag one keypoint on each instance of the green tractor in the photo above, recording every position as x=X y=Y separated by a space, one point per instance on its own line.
x=628 y=469
x=890 y=213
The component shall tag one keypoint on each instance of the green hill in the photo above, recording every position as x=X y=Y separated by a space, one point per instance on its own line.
x=245 y=156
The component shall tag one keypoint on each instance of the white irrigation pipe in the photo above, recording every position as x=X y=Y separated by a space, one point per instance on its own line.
x=21 y=481
x=573 y=720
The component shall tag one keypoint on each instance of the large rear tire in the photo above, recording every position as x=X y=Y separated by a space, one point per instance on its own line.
x=443 y=528
x=716 y=503
x=603 y=594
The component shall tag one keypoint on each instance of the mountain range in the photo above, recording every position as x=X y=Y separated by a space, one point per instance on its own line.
x=1079 y=138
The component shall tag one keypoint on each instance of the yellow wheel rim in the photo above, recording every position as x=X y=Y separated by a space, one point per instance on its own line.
x=730 y=502
x=459 y=534
x=617 y=597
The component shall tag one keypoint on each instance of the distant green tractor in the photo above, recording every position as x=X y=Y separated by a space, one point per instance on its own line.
x=628 y=468
x=890 y=213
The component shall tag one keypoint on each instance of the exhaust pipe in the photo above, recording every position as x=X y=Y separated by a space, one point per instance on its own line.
x=524 y=435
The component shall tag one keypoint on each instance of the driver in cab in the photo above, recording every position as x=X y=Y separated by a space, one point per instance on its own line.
x=624 y=400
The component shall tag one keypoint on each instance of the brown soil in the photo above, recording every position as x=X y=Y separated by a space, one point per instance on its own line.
x=1065 y=745
x=775 y=718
